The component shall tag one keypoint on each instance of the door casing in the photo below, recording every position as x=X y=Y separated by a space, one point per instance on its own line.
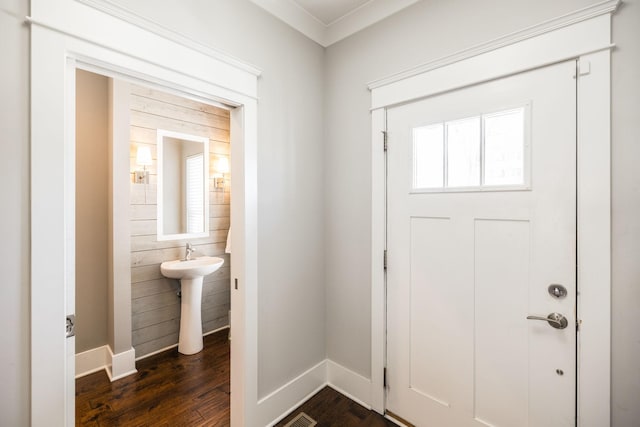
x=585 y=36
x=67 y=31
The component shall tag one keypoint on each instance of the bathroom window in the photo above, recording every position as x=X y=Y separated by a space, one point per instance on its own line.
x=485 y=152
x=195 y=193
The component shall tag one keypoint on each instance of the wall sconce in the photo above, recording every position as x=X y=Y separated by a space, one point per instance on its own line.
x=221 y=168
x=143 y=158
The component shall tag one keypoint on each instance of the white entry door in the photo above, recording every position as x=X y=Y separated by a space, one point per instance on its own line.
x=481 y=233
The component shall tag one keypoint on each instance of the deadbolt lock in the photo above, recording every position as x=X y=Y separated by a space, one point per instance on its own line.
x=557 y=291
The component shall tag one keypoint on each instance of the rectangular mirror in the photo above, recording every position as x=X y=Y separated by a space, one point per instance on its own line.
x=183 y=190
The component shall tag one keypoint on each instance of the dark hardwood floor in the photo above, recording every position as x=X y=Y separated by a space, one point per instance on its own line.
x=332 y=409
x=173 y=390
x=170 y=389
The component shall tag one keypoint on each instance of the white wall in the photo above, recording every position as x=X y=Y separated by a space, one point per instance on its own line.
x=426 y=31
x=625 y=231
x=290 y=173
x=14 y=215
x=294 y=252
x=290 y=212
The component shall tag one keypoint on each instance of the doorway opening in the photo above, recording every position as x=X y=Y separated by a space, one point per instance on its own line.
x=126 y=310
x=201 y=74
x=107 y=235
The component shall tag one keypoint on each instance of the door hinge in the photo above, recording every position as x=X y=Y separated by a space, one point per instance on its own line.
x=384 y=377
x=384 y=259
x=71 y=325
x=385 y=139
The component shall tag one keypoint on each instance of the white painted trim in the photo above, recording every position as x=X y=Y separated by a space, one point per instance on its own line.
x=366 y=15
x=296 y=17
x=244 y=304
x=91 y=361
x=288 y=396
x=597 y=9
x=546 y=49
x=351 y=384
x=586 y=36
x=127 y=15
x=160 y=135
x=594 y=241
x=222 y=328
x=115 y=365
x=326 y=34
x=378 y=245
x=122 y=364
x=169 y=347
x=84 y=34
x=229 y=80
x=326 y=373
x=344 y=381
x=70 y=233
x=296 y=405
x=158 y=85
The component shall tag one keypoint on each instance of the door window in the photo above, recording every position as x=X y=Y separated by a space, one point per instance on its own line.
x=485 y=152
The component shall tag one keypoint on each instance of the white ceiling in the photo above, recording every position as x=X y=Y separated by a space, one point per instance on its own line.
x=329 y=21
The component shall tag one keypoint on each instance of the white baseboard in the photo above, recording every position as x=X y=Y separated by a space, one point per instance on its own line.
x=351 y=384
x=270 y=407
x=102 y=358
x=169 y=347
x=122 y=364
x=326 y=373
x=221 y=328
x=91 y=361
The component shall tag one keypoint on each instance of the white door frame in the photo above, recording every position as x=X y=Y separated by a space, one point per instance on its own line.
x=64 y=31
x=584 y=35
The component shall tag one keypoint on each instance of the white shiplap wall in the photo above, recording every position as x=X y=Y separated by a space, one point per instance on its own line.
x=155 y=304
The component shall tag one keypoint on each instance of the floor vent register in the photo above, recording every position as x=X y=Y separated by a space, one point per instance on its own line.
x=302 y=420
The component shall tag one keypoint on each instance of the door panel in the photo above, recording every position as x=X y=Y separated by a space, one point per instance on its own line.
x=466 y=266
x=502 y=253
x=433 y=262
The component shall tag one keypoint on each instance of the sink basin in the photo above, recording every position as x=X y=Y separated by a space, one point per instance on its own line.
x=192 y=269
x=191 y=274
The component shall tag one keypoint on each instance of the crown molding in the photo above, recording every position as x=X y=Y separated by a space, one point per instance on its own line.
x=325 y=35
x=296 y=17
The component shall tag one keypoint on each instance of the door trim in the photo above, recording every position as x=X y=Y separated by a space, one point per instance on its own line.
x=65 y=30
x=585 y=37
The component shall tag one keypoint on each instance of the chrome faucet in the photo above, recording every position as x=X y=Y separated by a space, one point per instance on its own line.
x=189 y=251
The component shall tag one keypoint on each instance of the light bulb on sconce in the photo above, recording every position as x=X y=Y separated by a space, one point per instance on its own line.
x=143 y=158
x=221 y=168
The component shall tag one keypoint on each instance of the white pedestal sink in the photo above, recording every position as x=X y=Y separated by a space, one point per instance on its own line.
x=191 y=274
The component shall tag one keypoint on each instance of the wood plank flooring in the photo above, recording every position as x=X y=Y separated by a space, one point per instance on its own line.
x=332 y=409
x=170 y=389
x=173 y=390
